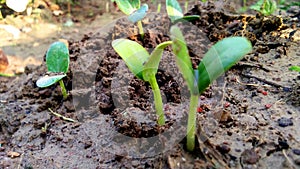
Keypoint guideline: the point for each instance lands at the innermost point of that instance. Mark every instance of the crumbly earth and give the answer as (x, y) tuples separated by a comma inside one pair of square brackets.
[(249, 118)]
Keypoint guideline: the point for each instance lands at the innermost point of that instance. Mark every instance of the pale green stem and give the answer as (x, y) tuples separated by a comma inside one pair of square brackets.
[(186, 4), (158, 8), (191, 127), (157, 100), (7, 75), (63, 89), (141, 30)]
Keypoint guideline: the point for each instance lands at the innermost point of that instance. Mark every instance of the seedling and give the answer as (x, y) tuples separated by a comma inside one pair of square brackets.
[(57, 61), (295, 68), (135, 12), (144, 66), (266, 7), (175, 12), (216, 61)]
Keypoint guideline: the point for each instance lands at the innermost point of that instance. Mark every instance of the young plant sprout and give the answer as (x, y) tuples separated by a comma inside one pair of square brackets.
[(295, 68), (175, 12), (57, 61), (266, 7), (219, 58), (143, 66), (135, 11)]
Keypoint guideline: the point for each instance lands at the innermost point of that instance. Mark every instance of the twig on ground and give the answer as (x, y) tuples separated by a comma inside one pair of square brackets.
[(256, 65), (61, 116), (250, 84), (21, 159), (265, 81), (293, 165)]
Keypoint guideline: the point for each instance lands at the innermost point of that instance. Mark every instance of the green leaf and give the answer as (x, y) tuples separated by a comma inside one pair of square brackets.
[(49, 80), (295, 68), (182, 57), (128, 6), (221, 57), (266, 7), (151, 67), (135, 3), (257, 6), (139, 14), (57, 58), (133, 54), (188, 18), (174, 10)]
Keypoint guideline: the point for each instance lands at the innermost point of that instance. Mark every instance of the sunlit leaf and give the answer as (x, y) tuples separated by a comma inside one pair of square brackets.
[(188, 18), (174, 10), (57, 57), (135, 3), (138, 14), (182, 57), (151, 67), (220, 57), (128, 6), (48, 80), (134, 55)]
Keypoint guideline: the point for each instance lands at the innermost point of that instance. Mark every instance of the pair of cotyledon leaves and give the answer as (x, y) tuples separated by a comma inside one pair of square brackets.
[(175, 12), (137, 12), (133, 8), (220, 57), (57, 61)]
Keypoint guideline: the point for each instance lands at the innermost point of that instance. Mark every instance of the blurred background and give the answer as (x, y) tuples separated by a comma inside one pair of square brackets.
[(28, 27)]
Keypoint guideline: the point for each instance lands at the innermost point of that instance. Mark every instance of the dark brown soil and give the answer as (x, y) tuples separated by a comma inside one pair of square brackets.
[(249, 118)]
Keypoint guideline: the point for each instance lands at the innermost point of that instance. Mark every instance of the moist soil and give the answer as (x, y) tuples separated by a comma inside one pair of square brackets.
[(248, 118)]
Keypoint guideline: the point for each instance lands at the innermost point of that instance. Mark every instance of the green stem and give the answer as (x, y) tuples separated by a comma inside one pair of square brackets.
[(244, 4), (141, 30), (191, 127), (63, 89), (186, 4), (7, 75), (157, 100), (158, 8)]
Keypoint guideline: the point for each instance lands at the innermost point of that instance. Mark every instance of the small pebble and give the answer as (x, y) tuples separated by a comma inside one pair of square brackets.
[(249, 156), (135, 163), (267, 106), (287, 89), (284, 122), (199, 110), (283, 143), (296, 151), (297, 161), (223, 148)]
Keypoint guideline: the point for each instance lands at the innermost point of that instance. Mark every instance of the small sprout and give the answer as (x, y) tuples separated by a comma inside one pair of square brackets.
[(139, 14), (175, 12), (143, 66), (266, 7), (135, 12), (295, 68), (57, 61), (216, 61)]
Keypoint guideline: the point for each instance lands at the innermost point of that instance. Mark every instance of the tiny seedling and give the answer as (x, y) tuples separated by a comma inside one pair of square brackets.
[(135, 12), (57, 61), (144, 66), (295, 68), (219, 58), (175, 12), (265, 7)]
